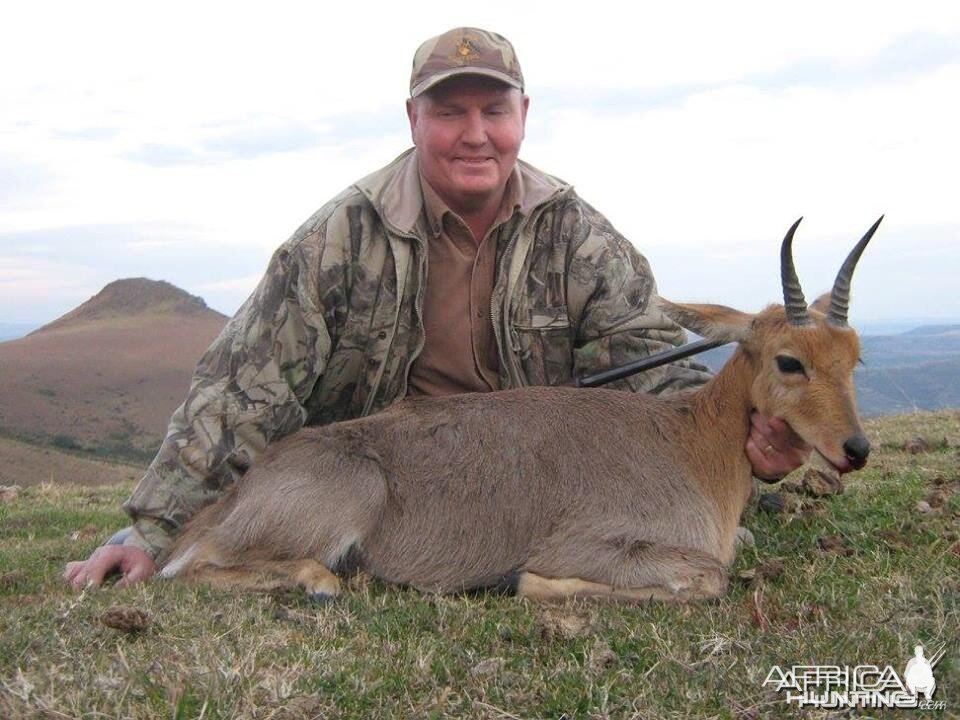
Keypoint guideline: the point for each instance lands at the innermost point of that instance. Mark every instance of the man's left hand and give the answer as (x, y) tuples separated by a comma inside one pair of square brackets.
[(773, 448)]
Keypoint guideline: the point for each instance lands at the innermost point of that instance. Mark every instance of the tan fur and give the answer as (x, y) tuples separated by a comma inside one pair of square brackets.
[(574, 491)]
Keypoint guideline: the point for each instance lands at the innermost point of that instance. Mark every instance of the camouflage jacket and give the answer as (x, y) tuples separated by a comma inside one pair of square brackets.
[(330, 332)]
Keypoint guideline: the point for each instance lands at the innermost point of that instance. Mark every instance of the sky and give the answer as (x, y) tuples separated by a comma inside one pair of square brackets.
[(184, 141)]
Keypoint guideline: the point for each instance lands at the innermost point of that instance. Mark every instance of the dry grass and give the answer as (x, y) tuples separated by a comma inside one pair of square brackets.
[(887, 578)]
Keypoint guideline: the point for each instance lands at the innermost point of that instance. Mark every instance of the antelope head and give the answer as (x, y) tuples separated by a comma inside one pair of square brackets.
[(802, 357)]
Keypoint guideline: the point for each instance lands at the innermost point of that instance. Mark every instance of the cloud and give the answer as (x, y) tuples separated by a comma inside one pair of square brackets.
[(88, 133), (36, 290), (21, 177), (700, 129), (64, 266), (160, 155), (261, 139), (244, 284)]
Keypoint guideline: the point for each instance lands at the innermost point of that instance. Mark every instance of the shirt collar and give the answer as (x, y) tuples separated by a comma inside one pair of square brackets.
[(436, 209)]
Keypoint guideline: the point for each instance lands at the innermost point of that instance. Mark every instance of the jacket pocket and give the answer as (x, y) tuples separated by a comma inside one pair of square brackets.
[(543, 341)]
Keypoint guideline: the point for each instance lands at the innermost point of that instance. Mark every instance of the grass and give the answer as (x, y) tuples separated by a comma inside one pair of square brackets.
[(865, 576)]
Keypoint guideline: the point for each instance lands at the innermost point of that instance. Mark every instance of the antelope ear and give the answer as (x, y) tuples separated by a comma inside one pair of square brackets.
[(822, 303), (714, 322)]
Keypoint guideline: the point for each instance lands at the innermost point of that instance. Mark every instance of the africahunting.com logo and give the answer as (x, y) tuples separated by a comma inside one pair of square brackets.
[(862, 686)]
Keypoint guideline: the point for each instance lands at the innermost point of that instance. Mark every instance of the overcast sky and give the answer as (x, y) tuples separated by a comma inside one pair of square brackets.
[(185, 141)]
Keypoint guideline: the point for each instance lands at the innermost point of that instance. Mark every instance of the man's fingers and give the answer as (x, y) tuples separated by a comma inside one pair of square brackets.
[(758, 460), (79, 580), (71, 570), (104, 560), (782, 432), (138, 573), (763, 434), (765, 439), (777, 433), (134, 564)]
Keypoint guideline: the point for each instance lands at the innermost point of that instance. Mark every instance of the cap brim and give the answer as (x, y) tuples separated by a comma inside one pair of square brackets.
[(435, 80)]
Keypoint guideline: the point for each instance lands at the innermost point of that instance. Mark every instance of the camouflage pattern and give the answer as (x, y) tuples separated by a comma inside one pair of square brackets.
[(464, 51), (331, 331)]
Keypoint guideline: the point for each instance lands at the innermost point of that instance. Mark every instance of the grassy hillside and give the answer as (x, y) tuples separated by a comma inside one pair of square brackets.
[(105, 378), (25, 464), (855, 578)]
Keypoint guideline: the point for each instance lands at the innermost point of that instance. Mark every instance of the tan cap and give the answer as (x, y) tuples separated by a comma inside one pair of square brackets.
[(464, 51)]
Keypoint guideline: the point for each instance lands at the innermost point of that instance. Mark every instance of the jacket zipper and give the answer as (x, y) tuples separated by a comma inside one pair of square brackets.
[(496, 308), (418, 304)]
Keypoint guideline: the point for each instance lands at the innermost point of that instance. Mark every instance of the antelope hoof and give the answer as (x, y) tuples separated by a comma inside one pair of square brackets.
[(319, 583), (322, 589)]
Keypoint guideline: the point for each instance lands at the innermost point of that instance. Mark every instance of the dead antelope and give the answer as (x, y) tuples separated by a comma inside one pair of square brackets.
[(549, 491)]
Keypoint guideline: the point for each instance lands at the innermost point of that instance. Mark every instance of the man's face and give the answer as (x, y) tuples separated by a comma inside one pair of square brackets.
[(468, 131)]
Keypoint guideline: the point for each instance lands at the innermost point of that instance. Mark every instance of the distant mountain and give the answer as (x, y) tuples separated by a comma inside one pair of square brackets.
[(132, 297), (107, 375), (927, 386), (934, 331), (915, 370)]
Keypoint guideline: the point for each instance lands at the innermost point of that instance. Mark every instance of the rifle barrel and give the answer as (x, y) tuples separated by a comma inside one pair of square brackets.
[(647, 363)]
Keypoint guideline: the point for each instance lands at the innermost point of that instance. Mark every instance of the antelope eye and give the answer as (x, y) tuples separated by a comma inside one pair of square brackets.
[(787, 364)]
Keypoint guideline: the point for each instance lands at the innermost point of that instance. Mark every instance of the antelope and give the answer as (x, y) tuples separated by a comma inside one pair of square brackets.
[(548, 492)]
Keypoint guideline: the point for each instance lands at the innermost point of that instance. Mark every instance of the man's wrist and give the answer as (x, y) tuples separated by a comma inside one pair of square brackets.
[(150, 536), (120, 536)]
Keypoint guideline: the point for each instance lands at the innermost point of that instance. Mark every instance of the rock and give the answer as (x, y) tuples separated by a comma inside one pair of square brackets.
[(771, 503), (924, 507), (127, 619), (819, 482)]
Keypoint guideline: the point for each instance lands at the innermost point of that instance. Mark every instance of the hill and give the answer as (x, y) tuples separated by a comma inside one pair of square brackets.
[(132, 297), (26, 465), (107, 375)]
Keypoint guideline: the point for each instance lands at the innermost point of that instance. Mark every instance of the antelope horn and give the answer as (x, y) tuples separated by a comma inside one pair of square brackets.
[(793, 301), (840, 295)]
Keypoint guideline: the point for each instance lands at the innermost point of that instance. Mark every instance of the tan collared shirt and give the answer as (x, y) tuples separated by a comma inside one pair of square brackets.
[(460, 352)]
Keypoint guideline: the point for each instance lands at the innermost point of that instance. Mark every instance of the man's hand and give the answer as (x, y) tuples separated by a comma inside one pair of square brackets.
[(773, 448), (133, 564)]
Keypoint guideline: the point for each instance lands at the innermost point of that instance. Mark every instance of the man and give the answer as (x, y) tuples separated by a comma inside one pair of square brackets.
[(456, 268)]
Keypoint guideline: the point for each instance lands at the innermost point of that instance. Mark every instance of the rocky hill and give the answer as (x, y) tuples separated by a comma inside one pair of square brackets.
[(107, 375)]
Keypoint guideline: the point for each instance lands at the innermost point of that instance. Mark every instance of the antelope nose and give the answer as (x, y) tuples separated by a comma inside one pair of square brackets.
[(856, 448)]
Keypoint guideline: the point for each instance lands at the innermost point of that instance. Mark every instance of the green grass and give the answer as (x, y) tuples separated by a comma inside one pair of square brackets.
[(892, 581)]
